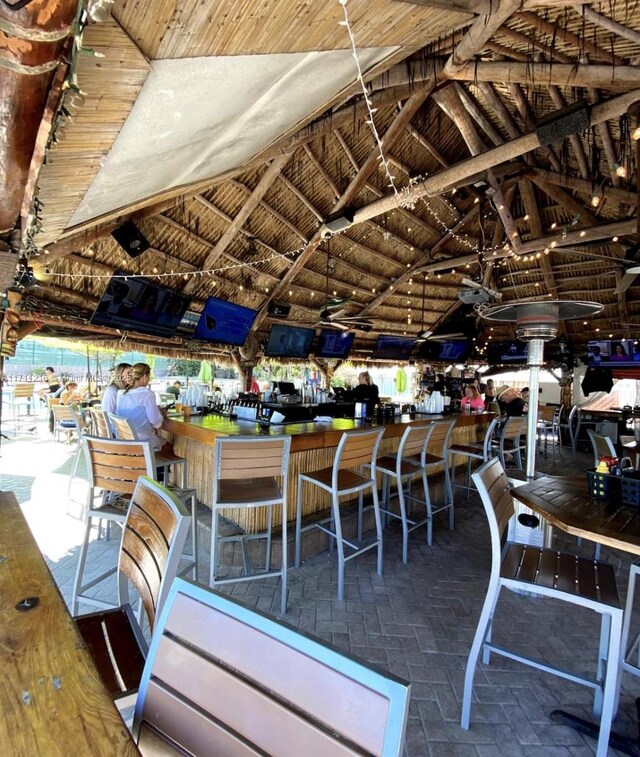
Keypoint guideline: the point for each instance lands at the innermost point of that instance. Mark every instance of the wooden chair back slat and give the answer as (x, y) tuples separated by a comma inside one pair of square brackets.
[(414, 439), (296, 697), (493, 486), (152, 542), (546, 413), (439, 439), (114, 485), (358, 448), (52, 401), (515, 427), (122, 428), (23, 391), (118, 461), (100, 421), (64, 413), (251, 457), (115, 465)]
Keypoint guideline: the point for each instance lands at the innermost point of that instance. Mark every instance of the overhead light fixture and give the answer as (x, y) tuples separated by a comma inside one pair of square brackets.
[(338, 222)]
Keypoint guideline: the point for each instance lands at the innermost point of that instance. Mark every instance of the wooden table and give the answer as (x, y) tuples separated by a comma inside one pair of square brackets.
[(52, 701), (566, 504)]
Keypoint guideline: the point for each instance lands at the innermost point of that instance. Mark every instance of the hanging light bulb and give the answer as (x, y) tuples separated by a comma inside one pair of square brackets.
[(621, 171), (595, 200), (636, 134)]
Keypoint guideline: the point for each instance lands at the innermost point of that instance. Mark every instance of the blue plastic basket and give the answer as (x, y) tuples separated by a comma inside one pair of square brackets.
[(603, 485), (630, 489)]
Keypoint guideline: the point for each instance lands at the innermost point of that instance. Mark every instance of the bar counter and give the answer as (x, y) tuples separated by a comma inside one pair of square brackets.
[(313, 447)]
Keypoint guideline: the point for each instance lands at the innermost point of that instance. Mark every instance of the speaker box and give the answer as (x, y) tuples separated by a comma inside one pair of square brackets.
[(131, 239), (278, 309)]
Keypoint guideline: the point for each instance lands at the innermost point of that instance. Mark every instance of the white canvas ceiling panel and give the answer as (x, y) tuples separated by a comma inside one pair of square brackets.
[(196, 118)]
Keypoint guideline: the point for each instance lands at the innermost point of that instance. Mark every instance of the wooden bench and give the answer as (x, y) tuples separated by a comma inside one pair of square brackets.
[(221, 678)]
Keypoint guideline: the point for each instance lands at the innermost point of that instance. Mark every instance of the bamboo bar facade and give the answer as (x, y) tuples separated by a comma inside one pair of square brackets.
[(313, 447)]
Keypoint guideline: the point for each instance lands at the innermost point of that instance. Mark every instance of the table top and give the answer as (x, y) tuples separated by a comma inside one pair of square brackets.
[(565, 503), (306, 435), (52, 700)]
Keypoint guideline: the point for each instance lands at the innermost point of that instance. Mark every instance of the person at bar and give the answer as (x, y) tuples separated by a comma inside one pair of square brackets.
[(175, 389), (366, 391), (137, 403), (120, 380), (510, 401), (472, 399)]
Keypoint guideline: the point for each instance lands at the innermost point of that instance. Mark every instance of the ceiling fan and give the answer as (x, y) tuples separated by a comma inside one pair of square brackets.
[(631, 261), (332, 312), (438, 334), (477, 293)]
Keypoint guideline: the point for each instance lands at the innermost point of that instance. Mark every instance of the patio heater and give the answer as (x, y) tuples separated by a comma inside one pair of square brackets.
[(537, 323)]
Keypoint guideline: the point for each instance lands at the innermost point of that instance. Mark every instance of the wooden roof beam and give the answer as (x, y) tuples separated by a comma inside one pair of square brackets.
[(608, 23), (576, 209), (442, 180), (574, 140), (543, 73), (580, 185), (522, 105), (238, 222)]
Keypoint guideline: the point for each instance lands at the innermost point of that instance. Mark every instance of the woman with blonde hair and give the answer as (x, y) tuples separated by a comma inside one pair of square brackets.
[(120, 380), (137, 403)]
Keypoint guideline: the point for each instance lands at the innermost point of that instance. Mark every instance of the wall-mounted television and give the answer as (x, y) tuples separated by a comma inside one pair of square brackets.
[(513, 351), (137, 304), (454, 350), (393, 347), (224, 322), (333, 343), (618, 353), (289, 341)]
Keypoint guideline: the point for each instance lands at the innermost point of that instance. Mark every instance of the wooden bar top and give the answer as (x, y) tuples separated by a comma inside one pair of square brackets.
[(52, 701), (305, 436)]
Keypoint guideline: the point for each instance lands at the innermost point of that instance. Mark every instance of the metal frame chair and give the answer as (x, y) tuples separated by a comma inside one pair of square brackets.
[(548, 573), (549, 422), (356, 449), (510, 440), (153, 538), (475, 451), (573, 425), (284, 692), (246, 473), (66, 419)]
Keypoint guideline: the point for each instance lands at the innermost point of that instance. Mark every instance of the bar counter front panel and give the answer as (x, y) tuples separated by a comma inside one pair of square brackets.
[(313, 447)]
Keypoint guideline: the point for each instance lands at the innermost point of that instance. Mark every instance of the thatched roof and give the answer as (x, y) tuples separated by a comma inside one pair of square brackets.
[(230, 132)]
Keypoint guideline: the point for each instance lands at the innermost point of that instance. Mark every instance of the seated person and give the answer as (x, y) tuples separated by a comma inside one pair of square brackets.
[(175, 389), (70, 394), (120, 380), (137, 403), (510, 401), (53, 383), (472, 399)]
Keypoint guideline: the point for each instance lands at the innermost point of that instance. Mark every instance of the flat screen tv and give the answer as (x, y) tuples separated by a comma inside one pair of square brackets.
[(507, 352), (334, 343), (393, 347), (616, 353), (453, 350), (137, 304), (224, 322), (289, 341)]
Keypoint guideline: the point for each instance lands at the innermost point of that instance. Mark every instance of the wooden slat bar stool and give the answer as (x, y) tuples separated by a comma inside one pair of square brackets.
[(164, 461), (153, 537), (67, 421), (100, 423), (475, 451), (356, 449), (512, 440), (250, 471), (222, 679), (548, 573), (401, 469), (113, 467)]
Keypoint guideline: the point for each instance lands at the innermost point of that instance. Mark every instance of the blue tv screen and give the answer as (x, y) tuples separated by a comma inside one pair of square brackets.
[(454, 350), (134, 303), (289, 341), (224, 322), (334, 343), (507, 352), (393, 347)]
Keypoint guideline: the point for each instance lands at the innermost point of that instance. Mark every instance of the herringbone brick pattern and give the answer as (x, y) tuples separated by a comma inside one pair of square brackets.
[(416, 620)]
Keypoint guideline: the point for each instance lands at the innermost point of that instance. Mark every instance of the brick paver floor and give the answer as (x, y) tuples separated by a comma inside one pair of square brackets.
[(416, 620)]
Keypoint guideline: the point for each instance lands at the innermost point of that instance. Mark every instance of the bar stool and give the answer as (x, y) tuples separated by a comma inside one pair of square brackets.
[(250, 471), (100, 423), (602, 446), (153, 538), (355, 450), (408, 462), (438, 454), (164, 461), (628, 650), (474, 451), (510, 440), (66, 420), (114, 466)]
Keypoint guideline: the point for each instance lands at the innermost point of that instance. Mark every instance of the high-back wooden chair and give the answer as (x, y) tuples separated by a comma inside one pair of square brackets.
[(347, 475), (250, 472), (100, 422), (224, 679), (401, 468), (438, 456), (66, 420), (474, 451), (548, 573), (112, 468), (153, 538)]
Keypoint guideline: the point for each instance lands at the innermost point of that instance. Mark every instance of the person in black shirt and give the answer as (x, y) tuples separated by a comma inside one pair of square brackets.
[(439, 385), (366, 391)]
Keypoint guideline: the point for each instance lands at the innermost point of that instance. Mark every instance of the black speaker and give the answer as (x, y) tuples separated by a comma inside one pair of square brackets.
[(278, 309), (131, 239)]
